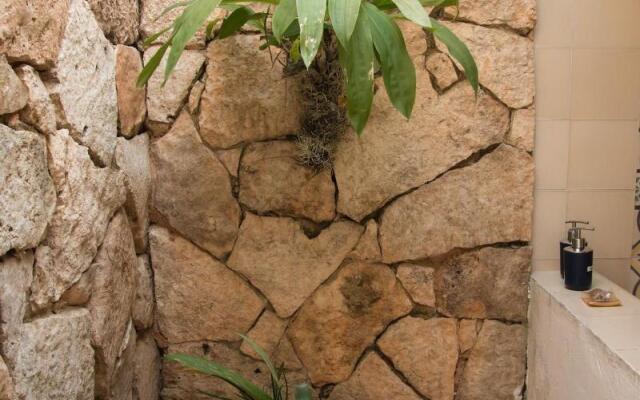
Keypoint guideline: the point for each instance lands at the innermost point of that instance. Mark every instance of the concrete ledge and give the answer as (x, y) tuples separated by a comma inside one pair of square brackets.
[(578, 352)]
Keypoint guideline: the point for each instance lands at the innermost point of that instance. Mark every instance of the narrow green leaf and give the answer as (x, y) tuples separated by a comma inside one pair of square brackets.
[(359, 65), (234, 22), (171, 8), (459, 51), (398, 70), (152, 65), (344, 14), (414, 11), (151, 39), (283, 16), (303, 392), (260, 351), (214, 369), (192, 18), (311, 15)]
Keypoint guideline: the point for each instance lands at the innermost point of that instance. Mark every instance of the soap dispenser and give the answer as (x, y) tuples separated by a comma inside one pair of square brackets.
[(567, 242), (578, 262)]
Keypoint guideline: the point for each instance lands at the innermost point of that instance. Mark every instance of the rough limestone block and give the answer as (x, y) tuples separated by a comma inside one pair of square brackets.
[(418, 282), (132, 104), (13, 93), (517, 14), (523, 129), (144, 302), (119, 19), (16, 273), (40, 111), (147, 364), (28, 197)]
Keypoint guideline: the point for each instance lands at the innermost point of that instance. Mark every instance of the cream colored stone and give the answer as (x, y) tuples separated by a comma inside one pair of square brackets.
[(505, 61), (487, 283), (230, 159), (51, 357), (418, 281), (272, 180), (27, 198), (87, 198), (523, 129), (368, 247), (497, 363), (426, 352), (143, 305), (518, 14), (83, 85), (132, 106), (247, 97), (203, 209), (344, 317), (118, 19), (35, 30), (114, 290), (13, 93), (80, 293), (414, 37), (7, 390), (440, 66), (394, 155), (164, 101), (194, 97), (467, 334), (132, 157), (16, 273), (373, 379), (198, 298), (147, 365), (283, 263), (123, 375), (490, 201), (39, 111)]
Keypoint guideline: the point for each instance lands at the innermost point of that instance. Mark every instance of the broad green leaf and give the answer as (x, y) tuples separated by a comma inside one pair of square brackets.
[(171, 8), (192, 18), (303, 392), (284, 15), (344, 14), (459, 51), (414, 11), (359, 65), (214, 369), (311, 15), (294, 53), (234, 22), (152, 65), (398, 70)]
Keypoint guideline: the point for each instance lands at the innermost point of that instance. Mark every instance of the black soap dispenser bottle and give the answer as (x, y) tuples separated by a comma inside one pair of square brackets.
[(578, 262), (567, 242)]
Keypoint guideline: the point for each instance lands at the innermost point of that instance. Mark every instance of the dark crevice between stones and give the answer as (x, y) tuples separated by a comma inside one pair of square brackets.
[(458, 251), (396, 372)]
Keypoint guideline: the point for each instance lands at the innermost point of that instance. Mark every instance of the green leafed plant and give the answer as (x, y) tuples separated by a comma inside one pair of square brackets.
[(247, 390), (369, 39)]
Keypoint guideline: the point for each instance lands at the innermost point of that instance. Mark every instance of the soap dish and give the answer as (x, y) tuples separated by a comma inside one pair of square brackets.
[(601, 298)]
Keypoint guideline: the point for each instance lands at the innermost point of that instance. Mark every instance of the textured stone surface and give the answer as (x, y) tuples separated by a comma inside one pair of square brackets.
[(36, 31), (496, 366), (114, 290), (13, 93), (368, 247), (467, 334), (490, 201), (373, 379), (505, 61), (193, 194), (230, 159), (118, 19), (7, 390), (272, 180), (426, 352), (52, 358), (443, 131), (87, 198), (518, 14), (123, 375), (198, 298), (132, 157), (16, 273), (147, 364), (28, 197), (246, 97), (283, 263), (143, 305), (194, 97), (164, 102), (523, 129), (414, 37), (344, 317), (132, 106), (440, 66), (80, 293), (418, 281), (266, 333), (39, 111), (487, 283), (84, 88), (14, 14)]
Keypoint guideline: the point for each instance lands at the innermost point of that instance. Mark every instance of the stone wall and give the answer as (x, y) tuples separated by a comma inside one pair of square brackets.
[(144, 222)]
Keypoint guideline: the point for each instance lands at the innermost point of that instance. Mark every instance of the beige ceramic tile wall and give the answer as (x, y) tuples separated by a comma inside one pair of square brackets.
[(587, 147)]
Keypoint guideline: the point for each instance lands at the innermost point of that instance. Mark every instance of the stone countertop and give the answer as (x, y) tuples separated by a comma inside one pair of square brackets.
[(617, 327)]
